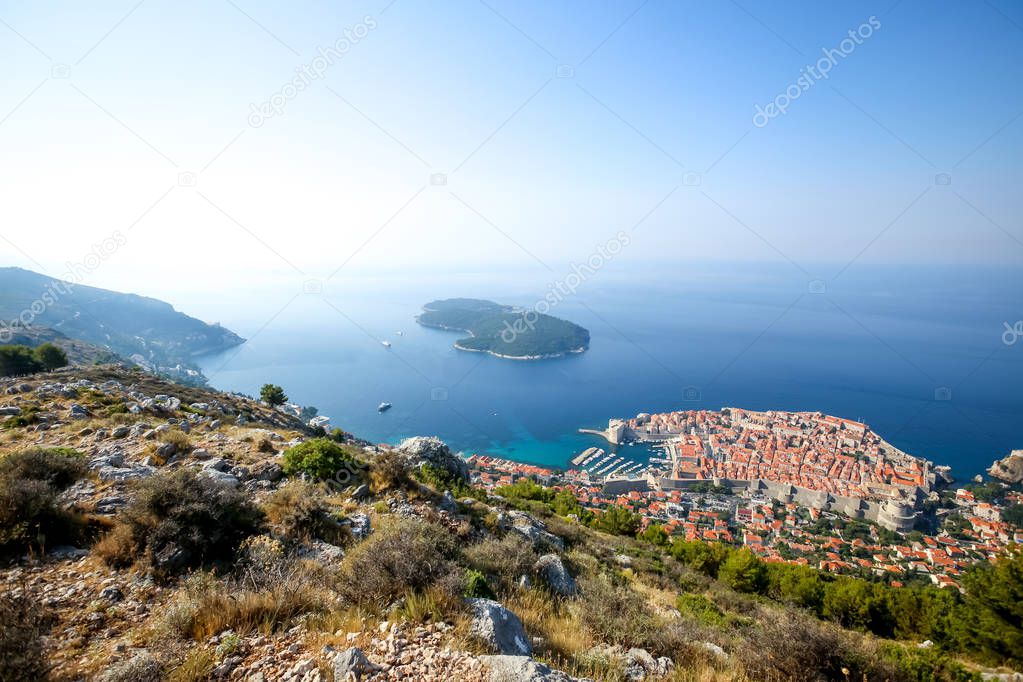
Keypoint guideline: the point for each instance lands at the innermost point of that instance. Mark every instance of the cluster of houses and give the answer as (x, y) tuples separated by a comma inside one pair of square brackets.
[(787, 531)]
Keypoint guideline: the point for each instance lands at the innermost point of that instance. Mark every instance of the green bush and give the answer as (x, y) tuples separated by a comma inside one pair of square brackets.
[(526, 489), (441, 479), (322, 459), (990, 621), (655, 535), (17, 361), (29, 415), (699, 607), (617, 520), (49, 357), (180, 520), (476, 585), (744, 572)]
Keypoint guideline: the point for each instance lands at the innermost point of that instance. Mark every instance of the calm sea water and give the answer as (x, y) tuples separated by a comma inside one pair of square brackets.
[(917, 353)]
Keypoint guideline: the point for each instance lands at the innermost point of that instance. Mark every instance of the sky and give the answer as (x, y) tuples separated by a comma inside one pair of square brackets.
[(157, 145)]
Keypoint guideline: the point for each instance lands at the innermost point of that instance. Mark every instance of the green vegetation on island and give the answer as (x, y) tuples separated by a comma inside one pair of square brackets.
[(505, 331)]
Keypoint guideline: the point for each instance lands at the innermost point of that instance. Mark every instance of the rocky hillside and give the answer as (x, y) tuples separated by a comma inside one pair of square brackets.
[(151, 531)]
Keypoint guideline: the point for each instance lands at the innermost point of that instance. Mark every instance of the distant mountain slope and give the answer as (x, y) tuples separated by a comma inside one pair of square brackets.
[(132, 326)]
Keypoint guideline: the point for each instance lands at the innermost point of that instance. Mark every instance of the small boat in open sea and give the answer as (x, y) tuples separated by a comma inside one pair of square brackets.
[(385, 344), (383, 407)]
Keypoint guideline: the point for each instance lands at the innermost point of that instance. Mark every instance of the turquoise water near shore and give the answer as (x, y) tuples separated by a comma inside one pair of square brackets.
[(885, 345)]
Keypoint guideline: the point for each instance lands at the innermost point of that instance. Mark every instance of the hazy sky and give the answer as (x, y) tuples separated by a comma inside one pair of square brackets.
[(490, 133)]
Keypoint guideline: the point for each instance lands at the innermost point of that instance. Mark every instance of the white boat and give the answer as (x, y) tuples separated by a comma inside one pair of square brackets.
[(383, 407), (400, 333), (386, 344)]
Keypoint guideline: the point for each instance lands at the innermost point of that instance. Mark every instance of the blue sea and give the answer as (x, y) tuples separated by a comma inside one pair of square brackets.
[(926, 356)]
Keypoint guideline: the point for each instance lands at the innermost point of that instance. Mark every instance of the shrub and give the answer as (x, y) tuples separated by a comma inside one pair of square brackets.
[(322, 459), (615, 613), (617, 520), (17, 360), (389, 471), (58, 467), (180, 520), (299, 511), (789, 645), (502, 560), (49, 357), (23, 623), (29, 415), (744, 572), (436, 604), (30, 514), (408, 555), (700, 556), (476, 585), (196, 666), (441, 479), (526, 489), (655, 535), (699, 607)]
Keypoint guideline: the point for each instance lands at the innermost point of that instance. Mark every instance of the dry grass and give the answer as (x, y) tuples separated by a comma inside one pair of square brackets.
[(178, 438), (196, 666), (208, 606), (432, 605), (118, 548), (564, 636), (707, 673)]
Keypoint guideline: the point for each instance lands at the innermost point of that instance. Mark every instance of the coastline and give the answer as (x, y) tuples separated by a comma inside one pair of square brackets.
[(548, 356)]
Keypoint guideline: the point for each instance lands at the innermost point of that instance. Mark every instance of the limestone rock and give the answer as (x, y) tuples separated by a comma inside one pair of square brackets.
[(522, 669), (422, 450), (497, 628), (532, 529), (353, 662), (552, 571)]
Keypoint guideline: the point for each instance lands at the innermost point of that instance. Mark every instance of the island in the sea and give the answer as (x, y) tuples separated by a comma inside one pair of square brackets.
[(505, 331)]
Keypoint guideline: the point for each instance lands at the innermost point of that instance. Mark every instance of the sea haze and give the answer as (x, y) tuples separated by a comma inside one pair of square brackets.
[(885, 345)]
